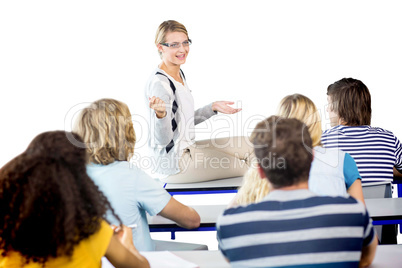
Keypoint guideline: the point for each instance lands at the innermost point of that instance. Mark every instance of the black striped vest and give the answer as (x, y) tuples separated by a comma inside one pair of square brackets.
[(174, 109)]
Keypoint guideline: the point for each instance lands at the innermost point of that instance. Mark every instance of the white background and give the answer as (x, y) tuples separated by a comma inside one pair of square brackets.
[(56, 56)]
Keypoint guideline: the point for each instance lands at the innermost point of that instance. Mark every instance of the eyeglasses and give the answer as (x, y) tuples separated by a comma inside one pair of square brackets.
[(177, 44)]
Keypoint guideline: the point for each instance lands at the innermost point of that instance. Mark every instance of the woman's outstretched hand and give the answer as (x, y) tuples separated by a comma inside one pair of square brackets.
[(223, 107), (158, 106)]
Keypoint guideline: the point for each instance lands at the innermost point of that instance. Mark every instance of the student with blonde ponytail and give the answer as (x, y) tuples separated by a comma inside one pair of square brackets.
[(333, 172)]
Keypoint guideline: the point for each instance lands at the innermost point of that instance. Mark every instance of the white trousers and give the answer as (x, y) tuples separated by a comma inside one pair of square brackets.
[(214, 159)]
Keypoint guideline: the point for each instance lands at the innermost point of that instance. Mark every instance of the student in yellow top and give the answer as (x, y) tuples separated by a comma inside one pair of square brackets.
[(52, 214)]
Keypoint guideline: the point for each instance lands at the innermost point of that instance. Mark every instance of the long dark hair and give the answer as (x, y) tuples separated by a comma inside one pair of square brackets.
[(48, 203)]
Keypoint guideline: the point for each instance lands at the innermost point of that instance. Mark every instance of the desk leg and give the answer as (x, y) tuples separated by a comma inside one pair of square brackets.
[(399, 185)]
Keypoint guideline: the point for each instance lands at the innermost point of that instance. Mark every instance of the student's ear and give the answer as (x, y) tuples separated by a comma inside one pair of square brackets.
[(261, 172)]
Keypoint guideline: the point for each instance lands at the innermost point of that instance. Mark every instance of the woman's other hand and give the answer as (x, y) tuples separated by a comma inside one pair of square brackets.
[(223, 107)]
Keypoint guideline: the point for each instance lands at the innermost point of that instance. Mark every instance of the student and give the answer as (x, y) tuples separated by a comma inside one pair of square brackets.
[(332, 171), (172, 119), (377, 152), (292, 226), (253, 188), (107, 130), (52, 214)]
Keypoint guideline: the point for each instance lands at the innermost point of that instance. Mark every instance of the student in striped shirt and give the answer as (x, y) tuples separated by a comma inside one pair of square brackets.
[(292, 226), (377, 152)]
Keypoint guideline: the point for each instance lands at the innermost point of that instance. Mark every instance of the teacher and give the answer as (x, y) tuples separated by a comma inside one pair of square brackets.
[(177, 157)]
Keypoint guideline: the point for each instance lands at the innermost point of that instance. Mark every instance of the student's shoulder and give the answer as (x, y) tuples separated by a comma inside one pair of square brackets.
[(158, 76), (334, 200), (349, 201), (381, 131), (234, 210), (334, 130), (158, 83), (125, 169), (356, 131)]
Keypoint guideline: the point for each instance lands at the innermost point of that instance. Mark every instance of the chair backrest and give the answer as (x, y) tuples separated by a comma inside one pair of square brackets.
[(377, 190)]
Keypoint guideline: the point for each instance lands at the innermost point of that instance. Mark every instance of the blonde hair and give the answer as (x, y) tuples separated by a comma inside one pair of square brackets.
[(107, 130), (302, 108), (253, 189), (167, 27)]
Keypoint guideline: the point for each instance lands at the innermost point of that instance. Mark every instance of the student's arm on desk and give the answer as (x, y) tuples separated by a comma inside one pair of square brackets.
[(397, 173), (368, 253), (122, 253), (184, 216)]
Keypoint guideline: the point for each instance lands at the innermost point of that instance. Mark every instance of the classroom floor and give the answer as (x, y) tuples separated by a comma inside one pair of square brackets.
[(205, 237)]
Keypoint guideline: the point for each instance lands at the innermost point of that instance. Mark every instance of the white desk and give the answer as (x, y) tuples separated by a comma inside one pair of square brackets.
[(201, 259), (381, 210), (229, 185), (385, 210), (389, 256), (204, 258)]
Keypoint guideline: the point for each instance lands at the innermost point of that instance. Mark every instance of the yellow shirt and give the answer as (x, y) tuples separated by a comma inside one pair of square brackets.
[(87, 254)]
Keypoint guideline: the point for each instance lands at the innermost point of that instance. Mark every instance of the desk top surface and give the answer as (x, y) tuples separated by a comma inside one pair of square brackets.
[(204, 258), (379, 208), (384, 208), (222, 183), (389, 256)]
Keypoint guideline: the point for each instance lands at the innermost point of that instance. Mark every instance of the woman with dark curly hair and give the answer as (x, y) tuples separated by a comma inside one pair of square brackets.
[(52, 214)]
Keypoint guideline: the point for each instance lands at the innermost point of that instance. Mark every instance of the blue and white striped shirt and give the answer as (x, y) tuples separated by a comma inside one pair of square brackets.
[(295, 229), (375, 150)]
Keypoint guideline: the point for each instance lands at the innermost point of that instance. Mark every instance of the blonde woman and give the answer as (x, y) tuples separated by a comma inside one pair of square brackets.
[(108, 134), (253, 188), (172, 117), (333, 172)]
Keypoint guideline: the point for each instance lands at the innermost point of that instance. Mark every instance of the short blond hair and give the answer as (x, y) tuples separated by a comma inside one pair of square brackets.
[(254, 188), (302, 108), (107, 131), (167, 27)]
